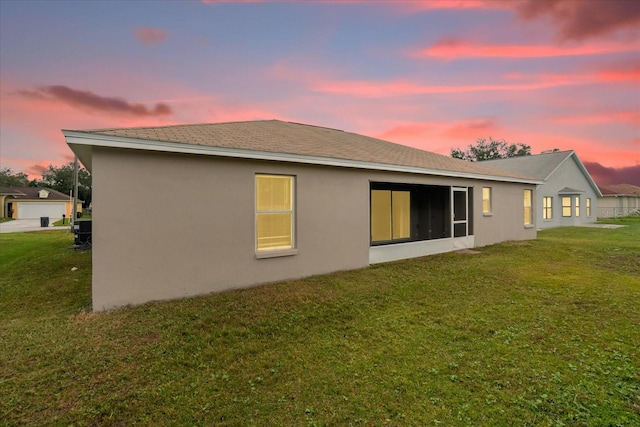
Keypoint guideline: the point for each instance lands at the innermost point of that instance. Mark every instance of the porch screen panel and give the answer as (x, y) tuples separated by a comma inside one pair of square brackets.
[(380, 215), (390, 215), (274, 212), (401, 214), (460, 205)]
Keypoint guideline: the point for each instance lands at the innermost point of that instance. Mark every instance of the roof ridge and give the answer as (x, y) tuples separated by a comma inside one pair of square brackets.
[(181, 125), (306, 124)]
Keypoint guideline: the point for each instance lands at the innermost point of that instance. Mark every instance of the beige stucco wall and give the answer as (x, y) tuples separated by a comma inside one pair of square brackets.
[(169, 226), (569, 175)]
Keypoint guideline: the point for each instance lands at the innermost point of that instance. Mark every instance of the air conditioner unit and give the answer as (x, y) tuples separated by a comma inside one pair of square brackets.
[(82, 233)]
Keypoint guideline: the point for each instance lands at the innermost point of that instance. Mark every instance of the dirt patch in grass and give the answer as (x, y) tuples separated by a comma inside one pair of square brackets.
[(468, 251), (627, 263)]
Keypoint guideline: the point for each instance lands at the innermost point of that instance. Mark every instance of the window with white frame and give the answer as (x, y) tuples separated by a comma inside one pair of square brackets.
[(274, 212), (566, 206), (588, 206), (547, 207), (528, 204), (577, 206), (486, 200)]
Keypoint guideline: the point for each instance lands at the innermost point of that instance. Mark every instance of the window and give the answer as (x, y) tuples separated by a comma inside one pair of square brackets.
[(274, 212), (390, 215), (577, 206), (486, 200), (528, 201), (547, 208), (566, 206), (588, 206)]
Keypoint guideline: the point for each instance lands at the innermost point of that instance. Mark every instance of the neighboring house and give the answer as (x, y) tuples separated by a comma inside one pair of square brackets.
[(618, 200), (35, 202), (567, 195), (212, 207)]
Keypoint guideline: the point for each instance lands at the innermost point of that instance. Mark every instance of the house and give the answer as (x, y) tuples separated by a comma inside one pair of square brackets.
[(211, 207), (618, 200), (567, 195), (35, 202)]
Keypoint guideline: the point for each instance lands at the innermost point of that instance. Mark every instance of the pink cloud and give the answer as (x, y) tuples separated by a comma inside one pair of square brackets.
[(320, 81), (629, 117), (377, 89), (604, 175), (471, 130), (442, 136), (419, 134), (427, 5), (230, 1), (579, 19), (36, 170), (620, 73), (31, 122), (89, 101), (450, 49), (149, 35)]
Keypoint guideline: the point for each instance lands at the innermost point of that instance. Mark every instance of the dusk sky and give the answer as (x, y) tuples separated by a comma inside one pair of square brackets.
[(433, 74)]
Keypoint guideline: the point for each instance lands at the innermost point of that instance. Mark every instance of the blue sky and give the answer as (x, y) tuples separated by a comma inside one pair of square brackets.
[(434, 75)]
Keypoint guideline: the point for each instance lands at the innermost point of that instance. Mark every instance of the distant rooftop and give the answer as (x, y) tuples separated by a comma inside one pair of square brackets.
[(620, 189), (29, 193), (538, 166), (542, 166)]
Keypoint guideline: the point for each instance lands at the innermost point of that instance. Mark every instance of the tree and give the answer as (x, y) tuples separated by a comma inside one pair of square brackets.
[(61, 179), (9, 178), (494, 149)]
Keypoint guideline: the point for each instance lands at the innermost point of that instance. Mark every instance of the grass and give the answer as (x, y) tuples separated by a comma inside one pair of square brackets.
[(5, 220), (545, 332), (66, 221)]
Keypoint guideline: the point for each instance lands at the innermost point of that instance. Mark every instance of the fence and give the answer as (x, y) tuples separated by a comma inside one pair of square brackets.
[(618, 212)]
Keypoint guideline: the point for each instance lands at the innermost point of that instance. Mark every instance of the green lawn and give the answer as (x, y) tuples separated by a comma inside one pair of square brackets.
[(543, 333)]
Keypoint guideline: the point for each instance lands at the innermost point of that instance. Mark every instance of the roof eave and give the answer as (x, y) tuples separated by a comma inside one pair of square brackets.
[(91, 139)]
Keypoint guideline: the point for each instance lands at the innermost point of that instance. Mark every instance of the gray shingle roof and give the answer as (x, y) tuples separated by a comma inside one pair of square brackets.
[(620, 189), (569, 190), (31, 193), (274, 136), (539, 166)]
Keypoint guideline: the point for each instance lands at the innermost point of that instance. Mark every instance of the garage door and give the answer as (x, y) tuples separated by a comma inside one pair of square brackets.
[(36, 210)]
